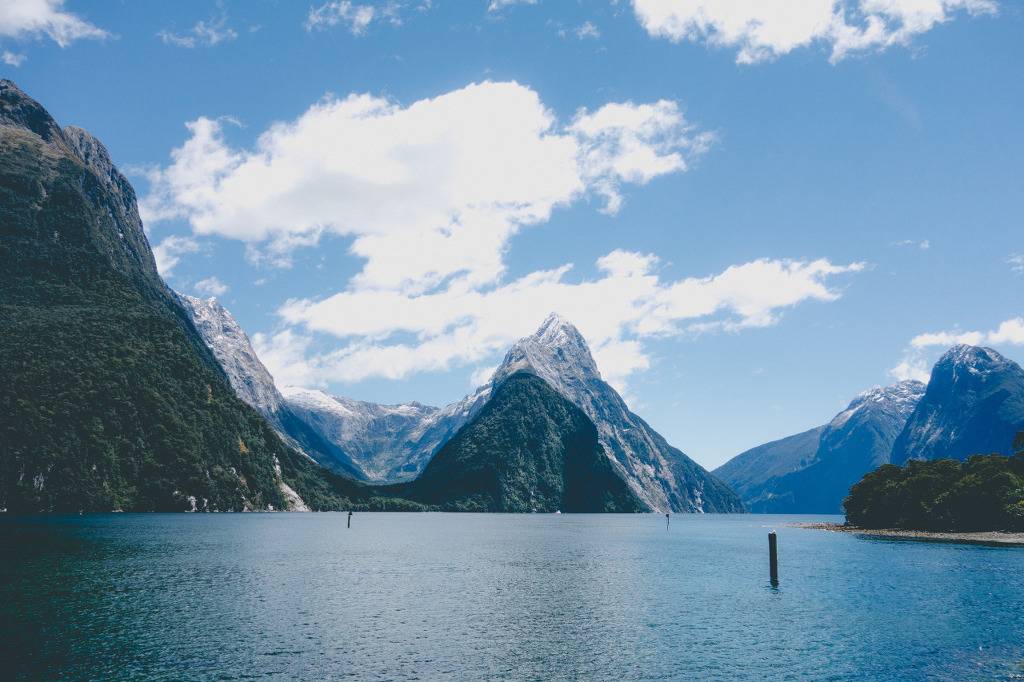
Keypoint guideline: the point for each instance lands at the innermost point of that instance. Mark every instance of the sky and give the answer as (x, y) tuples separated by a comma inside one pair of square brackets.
[(752, 210)]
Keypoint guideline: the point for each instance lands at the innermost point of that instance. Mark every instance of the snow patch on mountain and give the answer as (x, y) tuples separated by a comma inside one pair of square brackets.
[(388, 442)]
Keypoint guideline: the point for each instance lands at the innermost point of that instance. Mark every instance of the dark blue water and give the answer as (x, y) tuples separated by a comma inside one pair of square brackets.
[(440, 596)]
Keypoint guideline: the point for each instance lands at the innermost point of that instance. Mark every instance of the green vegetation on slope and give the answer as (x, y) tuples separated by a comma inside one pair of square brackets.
[(984, 493), (529, 449), (108, 397)]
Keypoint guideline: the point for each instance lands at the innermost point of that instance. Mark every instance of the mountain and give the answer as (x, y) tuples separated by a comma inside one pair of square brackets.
[(389, 443), (365, 441), (230, 345), (528, 449), (812, 472), (253, 384), (386, 442), (109, 398), (362, 440), (974, 405), (749, 471), (662, 477)]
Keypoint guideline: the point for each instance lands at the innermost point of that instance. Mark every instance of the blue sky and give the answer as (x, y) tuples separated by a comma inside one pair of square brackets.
[(764, 213)]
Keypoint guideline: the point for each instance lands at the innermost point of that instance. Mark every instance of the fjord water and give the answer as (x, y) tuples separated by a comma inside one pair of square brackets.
[(448, 596)]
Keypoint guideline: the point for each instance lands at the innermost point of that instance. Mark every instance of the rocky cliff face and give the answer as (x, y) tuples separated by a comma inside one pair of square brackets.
[(661, 476), (230, 345), (812, 472), (974, 405), (254, 384)]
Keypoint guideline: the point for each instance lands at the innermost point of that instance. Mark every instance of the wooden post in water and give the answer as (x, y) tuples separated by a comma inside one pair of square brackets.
[(349, 520), (773, 557)]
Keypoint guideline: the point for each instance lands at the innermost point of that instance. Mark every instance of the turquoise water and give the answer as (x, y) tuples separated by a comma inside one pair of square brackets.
[(531, 597)]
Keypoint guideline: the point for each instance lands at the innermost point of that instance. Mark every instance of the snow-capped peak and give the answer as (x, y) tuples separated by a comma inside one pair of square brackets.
[(556, 352), (898, 400), (975, 359)]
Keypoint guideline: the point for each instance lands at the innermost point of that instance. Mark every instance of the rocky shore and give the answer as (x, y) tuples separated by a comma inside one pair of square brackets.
[(980, 538)]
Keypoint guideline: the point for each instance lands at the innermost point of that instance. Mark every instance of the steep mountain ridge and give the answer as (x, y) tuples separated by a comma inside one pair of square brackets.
[(974, 405), (661, 476), (528, 449), (254, 384)]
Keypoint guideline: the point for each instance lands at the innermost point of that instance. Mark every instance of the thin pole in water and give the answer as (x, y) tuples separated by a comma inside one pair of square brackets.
[(773, 557), (349, 520), (667, 514)]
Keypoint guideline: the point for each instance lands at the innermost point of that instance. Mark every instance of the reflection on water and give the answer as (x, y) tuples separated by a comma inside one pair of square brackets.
[(428, 596)]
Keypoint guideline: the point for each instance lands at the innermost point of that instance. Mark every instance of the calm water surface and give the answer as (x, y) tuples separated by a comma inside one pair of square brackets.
[(534, 597)]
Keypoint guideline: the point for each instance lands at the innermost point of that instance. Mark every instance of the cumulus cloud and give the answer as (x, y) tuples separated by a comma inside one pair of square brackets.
[(1008, 332), (765, 29), (431, 195), (203, 34), (12, 58), (916, 364), (455, 177), (617, 311), (1016, 262), (38, 18), (211, 286), (168, 253)]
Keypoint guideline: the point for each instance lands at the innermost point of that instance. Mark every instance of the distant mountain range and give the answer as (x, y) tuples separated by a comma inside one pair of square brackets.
[(973, 404), (117, 393), (393, 443)]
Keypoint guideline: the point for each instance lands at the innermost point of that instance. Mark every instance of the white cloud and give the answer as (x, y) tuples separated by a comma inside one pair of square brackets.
[(35, 18), (498, 5), (948, 339), (431, 194), (481, 375), (168, 253), (924, 244), (915, 363), (286, 353), (455, 177), (765, 29), (1016, 262), (356, 17), (587, 30), (394, 334), (203, 34), (211, 286), (12, 58), (912, 366)]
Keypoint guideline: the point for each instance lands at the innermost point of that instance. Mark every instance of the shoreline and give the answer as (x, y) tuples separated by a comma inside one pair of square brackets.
[(973, 538)]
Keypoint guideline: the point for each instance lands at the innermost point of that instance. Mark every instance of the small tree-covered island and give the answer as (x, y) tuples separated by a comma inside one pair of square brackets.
[(983, 493)]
